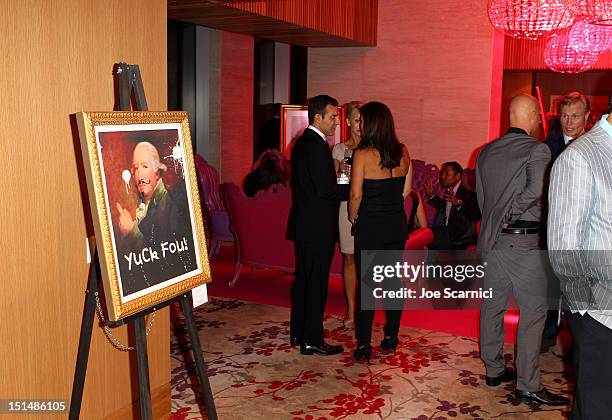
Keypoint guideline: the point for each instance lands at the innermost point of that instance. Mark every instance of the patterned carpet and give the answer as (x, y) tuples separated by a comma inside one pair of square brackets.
[(255, 374)]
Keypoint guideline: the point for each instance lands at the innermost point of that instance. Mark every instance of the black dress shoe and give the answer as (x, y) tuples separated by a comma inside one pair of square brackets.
[(547, 343), (295, 341), (389, 343), (507, 376), (543, 396), (324, 349), (363, 352)]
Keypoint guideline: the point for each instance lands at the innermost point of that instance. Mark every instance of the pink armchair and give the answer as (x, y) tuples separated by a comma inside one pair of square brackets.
[(260, 226), (219, 220)]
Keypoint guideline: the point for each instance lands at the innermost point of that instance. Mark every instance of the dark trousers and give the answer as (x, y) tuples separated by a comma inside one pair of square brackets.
[(309, 292), (443, 242), (365, 319), (592, 347), (365, 304), (551, 325)]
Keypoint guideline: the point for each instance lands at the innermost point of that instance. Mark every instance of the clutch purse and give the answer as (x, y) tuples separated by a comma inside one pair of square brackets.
[(354, 228)]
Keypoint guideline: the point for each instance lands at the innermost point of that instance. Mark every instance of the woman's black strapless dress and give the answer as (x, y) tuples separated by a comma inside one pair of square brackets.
[(381, 225)]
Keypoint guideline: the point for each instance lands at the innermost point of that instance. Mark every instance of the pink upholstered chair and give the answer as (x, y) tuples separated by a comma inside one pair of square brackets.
[(219, 220), (421, 171), (469, 178), (260, 225)]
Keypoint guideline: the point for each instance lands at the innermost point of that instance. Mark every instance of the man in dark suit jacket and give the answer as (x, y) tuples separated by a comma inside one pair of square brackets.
[(314, 224), (574, 111), (454, 223)]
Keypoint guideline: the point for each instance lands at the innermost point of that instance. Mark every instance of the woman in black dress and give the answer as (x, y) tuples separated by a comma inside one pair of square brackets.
[(381, 180)]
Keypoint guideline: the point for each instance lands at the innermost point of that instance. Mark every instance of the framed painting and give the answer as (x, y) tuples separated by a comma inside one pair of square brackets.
[(294, 119), (145, 206)]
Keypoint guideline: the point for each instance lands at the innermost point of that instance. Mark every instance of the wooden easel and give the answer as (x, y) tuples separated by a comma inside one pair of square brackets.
[(128, 80)]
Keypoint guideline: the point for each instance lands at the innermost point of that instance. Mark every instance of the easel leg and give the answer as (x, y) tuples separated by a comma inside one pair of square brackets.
[(84, 341), (143, 368), (211, 411)]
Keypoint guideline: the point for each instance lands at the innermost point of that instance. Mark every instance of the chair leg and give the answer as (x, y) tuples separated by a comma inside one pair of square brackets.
[(237, 270), (217, 247), (214, 248)]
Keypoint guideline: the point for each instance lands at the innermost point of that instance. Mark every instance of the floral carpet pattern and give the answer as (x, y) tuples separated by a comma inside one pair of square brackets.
[(256, 374)]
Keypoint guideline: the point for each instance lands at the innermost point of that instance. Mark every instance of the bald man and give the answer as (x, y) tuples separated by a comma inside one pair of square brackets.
[(157, 244), (509, 184)]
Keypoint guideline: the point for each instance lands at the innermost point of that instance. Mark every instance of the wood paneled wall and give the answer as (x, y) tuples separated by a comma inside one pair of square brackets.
[(236, 106), (310, 23), (350, 19), (434, 65), (57, 59)]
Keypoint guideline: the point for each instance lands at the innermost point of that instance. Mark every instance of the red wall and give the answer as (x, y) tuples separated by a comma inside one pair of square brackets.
[(438, 66), (236, 106)]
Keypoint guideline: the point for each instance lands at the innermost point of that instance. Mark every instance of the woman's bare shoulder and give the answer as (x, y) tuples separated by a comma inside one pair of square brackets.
[(367, 152), (405, 152)]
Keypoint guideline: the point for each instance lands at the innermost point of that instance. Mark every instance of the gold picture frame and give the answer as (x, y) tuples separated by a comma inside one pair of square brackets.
[(145, 206), (293, 121)]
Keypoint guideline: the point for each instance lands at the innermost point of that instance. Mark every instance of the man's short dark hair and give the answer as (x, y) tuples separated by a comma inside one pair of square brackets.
[(318, 104), (455, 167)]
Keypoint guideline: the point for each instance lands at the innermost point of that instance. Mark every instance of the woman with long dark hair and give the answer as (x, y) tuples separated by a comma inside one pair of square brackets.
[(381, 180)]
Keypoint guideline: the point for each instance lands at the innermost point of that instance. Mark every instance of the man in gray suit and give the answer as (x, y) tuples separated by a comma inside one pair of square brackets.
[(580, 244), (509, 183)]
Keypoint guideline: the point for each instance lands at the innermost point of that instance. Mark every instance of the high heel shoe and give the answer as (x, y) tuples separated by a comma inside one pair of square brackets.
[(348, 323), (389, 343), (363, 353)]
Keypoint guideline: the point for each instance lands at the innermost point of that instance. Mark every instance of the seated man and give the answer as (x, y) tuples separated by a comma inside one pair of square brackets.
[(454, 224)]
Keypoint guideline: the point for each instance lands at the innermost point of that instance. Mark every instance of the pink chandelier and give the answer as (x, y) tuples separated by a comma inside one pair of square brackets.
[(531, 19), (560, 57), (588, 37), (592, 11)]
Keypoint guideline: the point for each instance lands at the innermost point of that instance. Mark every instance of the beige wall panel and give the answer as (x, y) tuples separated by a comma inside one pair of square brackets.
[(433, 67), (57, 59)]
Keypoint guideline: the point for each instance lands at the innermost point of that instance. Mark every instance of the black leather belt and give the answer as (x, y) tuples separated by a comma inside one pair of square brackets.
[(521, 231)]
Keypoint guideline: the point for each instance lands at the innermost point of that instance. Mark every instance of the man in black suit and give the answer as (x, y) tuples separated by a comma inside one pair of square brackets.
[(574, 111), (314, 224), (454, 223)]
